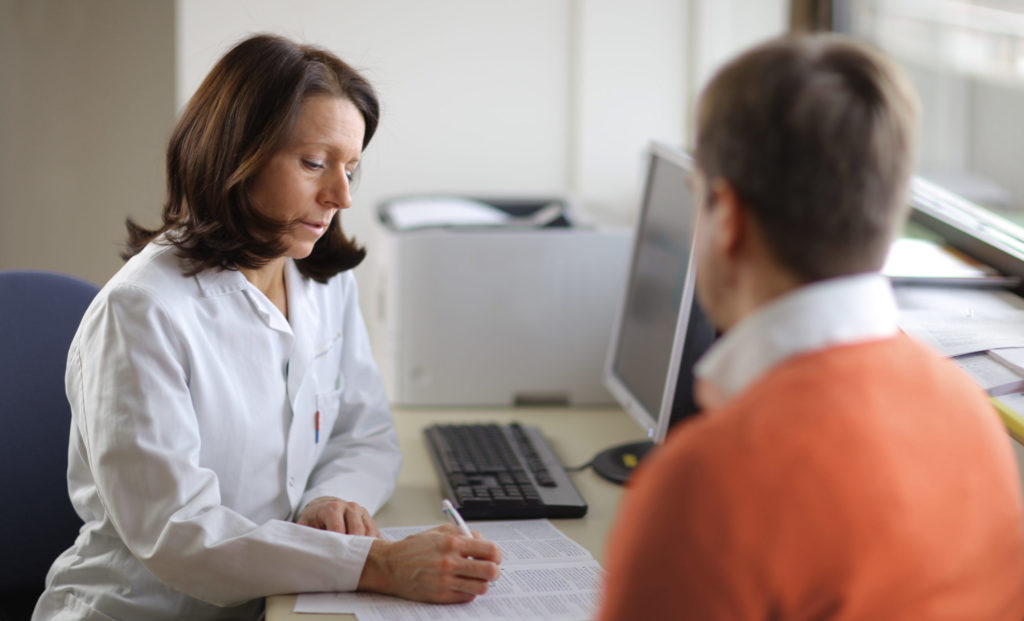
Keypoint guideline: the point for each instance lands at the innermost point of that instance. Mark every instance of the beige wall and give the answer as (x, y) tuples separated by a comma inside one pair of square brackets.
[(533, 97), (86, 104), (527, 97)]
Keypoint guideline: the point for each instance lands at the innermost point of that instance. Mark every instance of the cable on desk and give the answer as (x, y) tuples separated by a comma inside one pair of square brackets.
[(580, 468)]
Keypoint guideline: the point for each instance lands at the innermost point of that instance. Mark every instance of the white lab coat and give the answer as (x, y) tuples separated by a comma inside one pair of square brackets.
[(193, 443)]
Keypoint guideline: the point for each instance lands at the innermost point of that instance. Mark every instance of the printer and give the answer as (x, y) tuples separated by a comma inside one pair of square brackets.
[(494, 302)]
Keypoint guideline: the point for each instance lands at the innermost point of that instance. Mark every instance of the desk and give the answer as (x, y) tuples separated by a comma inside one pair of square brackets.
[(576, 435)]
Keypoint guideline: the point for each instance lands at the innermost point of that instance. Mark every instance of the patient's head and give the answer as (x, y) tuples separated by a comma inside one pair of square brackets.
[(815, 135)]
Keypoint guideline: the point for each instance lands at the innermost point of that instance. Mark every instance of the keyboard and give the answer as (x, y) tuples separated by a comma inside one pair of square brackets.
[(501, 472)]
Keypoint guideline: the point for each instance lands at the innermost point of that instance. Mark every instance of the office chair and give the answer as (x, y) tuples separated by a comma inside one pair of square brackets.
[(39, 314)]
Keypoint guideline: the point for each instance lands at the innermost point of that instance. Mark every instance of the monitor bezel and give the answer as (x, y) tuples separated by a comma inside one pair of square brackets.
[(656, 424)]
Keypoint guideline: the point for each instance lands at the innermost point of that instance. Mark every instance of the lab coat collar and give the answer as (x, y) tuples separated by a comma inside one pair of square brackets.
[(213, 282), (220, 281), (303, 311), (304, 318)]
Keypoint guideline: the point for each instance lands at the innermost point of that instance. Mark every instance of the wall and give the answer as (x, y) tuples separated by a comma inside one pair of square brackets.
[(531, 97), (86, 103), (630, 72), (719, 29), (536, 97)]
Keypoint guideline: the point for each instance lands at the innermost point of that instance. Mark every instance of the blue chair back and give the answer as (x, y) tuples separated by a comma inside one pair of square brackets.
[(39, 314)]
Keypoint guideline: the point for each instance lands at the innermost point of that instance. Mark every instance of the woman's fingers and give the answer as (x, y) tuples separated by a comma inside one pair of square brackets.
[(340, 516)]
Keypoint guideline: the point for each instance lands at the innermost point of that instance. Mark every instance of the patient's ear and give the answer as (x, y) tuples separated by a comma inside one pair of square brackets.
[(728, 219)]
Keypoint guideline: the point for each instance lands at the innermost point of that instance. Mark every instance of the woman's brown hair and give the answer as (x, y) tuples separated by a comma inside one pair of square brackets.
[(241, 115)]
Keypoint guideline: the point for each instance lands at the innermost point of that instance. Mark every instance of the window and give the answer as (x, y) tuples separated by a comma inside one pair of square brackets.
[(966, 60)]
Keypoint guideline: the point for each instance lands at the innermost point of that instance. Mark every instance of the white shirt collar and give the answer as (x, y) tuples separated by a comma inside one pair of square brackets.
[(827, 313)]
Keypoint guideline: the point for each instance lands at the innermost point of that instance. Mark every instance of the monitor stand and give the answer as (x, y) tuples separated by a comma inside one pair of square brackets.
[(618, 462)]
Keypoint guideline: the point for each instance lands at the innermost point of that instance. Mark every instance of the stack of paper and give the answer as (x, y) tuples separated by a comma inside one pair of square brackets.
[(544, 576), (444, 211), (1009, 399), (982, 330), (993, 373), (454, 212), (956, 334)]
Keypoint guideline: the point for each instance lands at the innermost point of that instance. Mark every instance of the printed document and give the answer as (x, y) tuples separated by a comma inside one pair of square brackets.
[(992, 372), (544, 575), (966, 333)]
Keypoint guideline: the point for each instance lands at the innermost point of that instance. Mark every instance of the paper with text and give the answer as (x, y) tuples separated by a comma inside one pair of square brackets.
[(993, 372), (544, 575), (959, 334)]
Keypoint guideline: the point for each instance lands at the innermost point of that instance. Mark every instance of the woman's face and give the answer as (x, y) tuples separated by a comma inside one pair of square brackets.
[(308, 180)]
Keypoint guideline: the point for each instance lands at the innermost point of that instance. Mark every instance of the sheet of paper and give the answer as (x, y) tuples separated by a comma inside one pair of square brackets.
[(1013, 401), (966, 333), (991, 372), (924, 259), (542, 592), (957, 301), (1012, 357), (519, 540), (444, 211), (545, 576)]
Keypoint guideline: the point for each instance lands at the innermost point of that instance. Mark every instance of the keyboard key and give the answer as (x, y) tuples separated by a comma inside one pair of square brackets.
[(544, 479)]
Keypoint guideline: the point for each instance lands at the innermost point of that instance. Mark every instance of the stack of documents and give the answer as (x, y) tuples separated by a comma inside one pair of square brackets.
[(995, 370), (982, 331), (959, 335), (454, 211), (544, 576)]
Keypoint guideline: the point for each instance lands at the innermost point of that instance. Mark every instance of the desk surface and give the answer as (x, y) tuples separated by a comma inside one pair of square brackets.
[(576, 435)]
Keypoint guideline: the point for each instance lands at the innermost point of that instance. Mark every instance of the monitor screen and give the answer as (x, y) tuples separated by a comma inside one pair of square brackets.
[(660, 331)]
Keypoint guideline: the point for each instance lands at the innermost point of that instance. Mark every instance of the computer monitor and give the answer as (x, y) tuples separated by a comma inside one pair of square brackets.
[(660, 331)]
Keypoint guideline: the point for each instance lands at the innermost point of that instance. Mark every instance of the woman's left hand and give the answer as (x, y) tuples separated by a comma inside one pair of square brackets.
[(340, 516)]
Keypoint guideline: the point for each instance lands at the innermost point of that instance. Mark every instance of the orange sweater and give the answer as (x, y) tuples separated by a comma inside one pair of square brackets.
[(870, 481)]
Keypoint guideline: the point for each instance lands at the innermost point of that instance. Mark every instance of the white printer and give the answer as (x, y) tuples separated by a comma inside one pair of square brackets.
[(494, 302)]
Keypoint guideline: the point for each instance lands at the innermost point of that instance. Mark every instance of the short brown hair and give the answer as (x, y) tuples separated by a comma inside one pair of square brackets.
[(239, 117), (815, 133)]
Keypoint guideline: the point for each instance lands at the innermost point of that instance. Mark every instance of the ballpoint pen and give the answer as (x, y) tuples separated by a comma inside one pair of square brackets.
[(448, 508)]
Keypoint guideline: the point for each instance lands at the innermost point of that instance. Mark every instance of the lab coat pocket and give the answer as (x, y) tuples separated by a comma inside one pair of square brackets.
[(327, 406), (327, 365)]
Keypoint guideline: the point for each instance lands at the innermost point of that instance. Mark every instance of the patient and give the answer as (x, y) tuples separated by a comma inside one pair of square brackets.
[(839, 469)]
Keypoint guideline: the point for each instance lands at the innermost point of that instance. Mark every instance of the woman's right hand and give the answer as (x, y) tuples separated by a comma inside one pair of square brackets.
[(440, 565)]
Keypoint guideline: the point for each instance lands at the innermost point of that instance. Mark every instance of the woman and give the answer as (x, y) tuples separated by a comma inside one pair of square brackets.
[(228, 419)]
